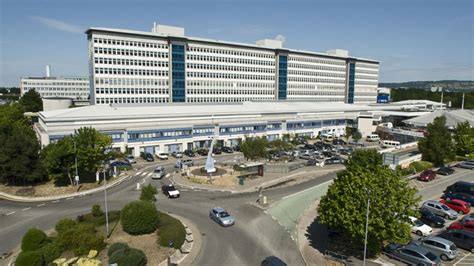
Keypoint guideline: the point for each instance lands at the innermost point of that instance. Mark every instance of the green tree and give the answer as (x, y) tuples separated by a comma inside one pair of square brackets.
[(437, 146), (281, 145), (464, 138), (356, 135), (254, 148), (344, 206), (59, 160), (139, 217), (31, 101), (92, 147), (148, 193)]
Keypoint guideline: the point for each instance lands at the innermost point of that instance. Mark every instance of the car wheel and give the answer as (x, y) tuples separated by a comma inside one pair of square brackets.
[(444, 257), (472, 249), (419, 233), (447, 216), (461, 212)]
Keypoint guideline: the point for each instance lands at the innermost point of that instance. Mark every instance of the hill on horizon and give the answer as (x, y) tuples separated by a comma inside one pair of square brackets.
[(450, 85)]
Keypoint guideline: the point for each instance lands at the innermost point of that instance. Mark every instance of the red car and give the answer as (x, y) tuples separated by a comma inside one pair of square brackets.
[(463, 226), (457, 205), (427, 175)]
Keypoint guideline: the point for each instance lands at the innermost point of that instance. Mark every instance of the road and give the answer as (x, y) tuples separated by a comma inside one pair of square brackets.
[(254, 236)]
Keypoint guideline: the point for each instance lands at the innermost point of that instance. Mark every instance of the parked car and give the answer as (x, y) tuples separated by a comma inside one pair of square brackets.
[(346, 151), (236, 148), (180, 163), (203, 152), (177, 154), (412, 254), (170, 191), (189, 153), (466, 165), (440, 209), (306, 157), (460, 196), (461, 238), (272, 261), (149, 157), (460, 206), (158, 173), (468, 218), (227, 149), (314, 162), (469, 226), (445, 170), (162, 156), (221, 216), (431, 219), (427, 175), (120, 164), (216, 150), (443, 248), (419, 228), (334, 160), (461, 186), (338, 142), (130, 159)]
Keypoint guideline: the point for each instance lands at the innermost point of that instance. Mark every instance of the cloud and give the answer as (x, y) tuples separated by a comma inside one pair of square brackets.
[(58, 25), (281, 38)]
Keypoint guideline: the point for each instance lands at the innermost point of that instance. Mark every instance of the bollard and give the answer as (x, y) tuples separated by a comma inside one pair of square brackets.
[(138, 186), (264, 201)]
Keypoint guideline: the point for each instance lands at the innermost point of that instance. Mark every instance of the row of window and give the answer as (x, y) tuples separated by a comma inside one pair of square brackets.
[(148, 91), (315, 87), (131, 62), (315, 124), (208, 99), (364, 71), (106, 100), (292, 59), (362, 76), (365, 65), (230, 68), (230, 60), (228, 76), (53, 83), (316, 74), (229, 52), (315, 80), (229, 84), (360, 82), (41, 89), (132, 82), (218, 91), (318, 99), (315, 93), (208, 130), (132, 72), (317, 67), (130, 43), (128, 52)]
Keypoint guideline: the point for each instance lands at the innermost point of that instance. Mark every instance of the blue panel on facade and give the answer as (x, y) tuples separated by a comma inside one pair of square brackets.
[(350, 95), (382, 98), (282, 76), (178, 73)]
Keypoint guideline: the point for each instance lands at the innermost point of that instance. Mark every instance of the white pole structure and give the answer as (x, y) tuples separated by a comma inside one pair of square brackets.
[(75, 162), (462, 104), (441, 107), (106, 208), (366, 226)]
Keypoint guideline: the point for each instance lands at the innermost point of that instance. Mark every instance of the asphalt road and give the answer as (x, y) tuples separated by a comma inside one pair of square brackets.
[(254, 236)]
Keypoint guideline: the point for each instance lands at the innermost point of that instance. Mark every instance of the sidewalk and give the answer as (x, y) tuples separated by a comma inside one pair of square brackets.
[(11, 197), (268, 180)]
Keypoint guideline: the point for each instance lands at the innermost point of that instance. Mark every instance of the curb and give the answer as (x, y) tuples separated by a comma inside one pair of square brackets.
[(15, 198)]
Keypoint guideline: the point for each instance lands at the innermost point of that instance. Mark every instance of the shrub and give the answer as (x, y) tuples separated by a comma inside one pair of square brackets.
[(51, 251), (128, 257), (421, 165), (81, 239), (33, 240), (29, 258), (116, 246), (96, 211), (170, 229), (65, 224), (148, 193), (139, 217)]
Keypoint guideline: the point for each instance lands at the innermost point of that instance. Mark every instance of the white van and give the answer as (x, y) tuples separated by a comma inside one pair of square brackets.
[(389, 143), (373, 138), (327, 137)]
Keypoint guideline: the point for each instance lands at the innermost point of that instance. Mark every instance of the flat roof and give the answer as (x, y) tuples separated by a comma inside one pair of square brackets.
[(246, 45)]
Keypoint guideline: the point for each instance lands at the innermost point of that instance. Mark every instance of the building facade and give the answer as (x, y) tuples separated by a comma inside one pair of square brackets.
[(164, 65), (76, 88)]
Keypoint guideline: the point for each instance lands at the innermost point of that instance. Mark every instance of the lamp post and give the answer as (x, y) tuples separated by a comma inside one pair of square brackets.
[(106, 208), (366, 223), (75, 163)]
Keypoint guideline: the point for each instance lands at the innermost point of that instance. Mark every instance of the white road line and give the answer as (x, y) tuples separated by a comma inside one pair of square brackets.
[(25, 209), (39, 205), (56, 201), (139, 173), (299, 192), (462, 258), (10, 213), (149, 174), (69, 198)]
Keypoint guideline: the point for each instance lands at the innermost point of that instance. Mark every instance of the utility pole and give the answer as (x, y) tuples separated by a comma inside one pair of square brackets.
[(106, 208), (366, 226), (75, 162), (462, 105), (441, 107)]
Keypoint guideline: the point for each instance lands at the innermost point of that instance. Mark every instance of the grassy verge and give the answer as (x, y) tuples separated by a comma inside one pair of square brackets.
[(170, 230)]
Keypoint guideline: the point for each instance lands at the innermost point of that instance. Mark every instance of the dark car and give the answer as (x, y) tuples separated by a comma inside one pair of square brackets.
[(461, 238), (412, 254), (120, 164), (460, 196), (170, 191), (237, 148), (427, 175), (466, 165), (189, 153), (334, 160), (445, 170), (431, 219), (203, 152), (461, 186), (338, 142), (216, 151), (227, 149), (148, 157), (272, 261)]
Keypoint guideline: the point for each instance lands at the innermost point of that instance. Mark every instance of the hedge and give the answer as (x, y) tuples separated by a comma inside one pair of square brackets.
[(139, 217), (170, 229), (33, 240), (128, 257), (116, 246), (64, 224), (51, 251), (29, 258), (421, 165), (81, 239)]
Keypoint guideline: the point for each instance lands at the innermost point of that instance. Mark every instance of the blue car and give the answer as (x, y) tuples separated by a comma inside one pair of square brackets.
[(459, 196), (120, 163)]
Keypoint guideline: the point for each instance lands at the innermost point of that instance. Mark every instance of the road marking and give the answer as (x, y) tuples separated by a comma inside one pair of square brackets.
[(25, 209), (299, 192), (462, 258), (56, 201), (39, 205), (69, 198), (10, 213), (139, 173), (149, 174)]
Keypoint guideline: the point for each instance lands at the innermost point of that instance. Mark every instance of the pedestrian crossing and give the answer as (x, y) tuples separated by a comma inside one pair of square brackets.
[(143, 174)]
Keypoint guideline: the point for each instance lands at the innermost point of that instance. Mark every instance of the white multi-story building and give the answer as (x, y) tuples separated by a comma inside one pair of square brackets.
[(164, 65), (75, 88)]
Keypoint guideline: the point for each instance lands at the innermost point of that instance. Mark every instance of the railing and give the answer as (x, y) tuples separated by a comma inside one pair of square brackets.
[(336, 256)]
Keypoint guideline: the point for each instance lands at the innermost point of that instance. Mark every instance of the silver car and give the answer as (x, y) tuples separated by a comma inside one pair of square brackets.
[(440, 209), (468, 218), (441, 247), (221, 216), (412, 254), (159, 173)]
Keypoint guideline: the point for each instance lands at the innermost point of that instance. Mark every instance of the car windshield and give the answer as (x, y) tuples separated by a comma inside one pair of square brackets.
[(431, 256), (446, 208), (418, 222), (223, 214), (171, 187), (158, 171)]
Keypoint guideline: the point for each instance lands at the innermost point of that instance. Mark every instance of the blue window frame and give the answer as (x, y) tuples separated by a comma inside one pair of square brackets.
[(350, 95), (282, 76), (178, 73)]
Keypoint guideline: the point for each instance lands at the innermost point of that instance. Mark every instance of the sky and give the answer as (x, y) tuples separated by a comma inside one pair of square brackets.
[(412, 39)]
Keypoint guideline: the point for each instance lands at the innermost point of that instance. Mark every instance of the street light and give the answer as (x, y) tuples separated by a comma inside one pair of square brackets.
[(106, 207), (75, 162), (366, 223)]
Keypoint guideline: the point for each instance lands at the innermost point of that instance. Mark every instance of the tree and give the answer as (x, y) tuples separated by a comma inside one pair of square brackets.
[(464, 138), (349, 132), (59, 160), (139, 217), (344, 206), (92, 147), (356, 135), (437, 146), (254, 148), (281, 145), (31, 101), (148, 193)]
